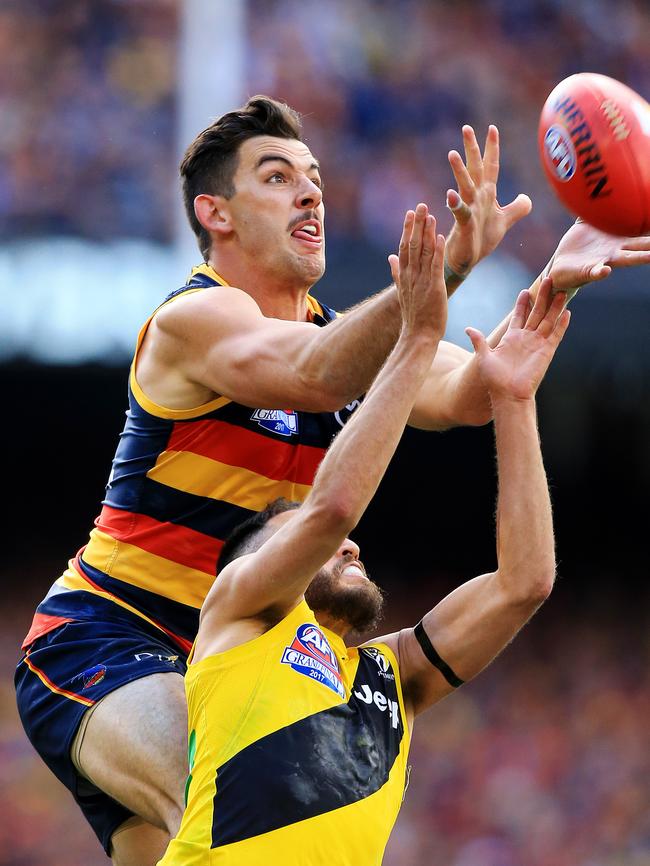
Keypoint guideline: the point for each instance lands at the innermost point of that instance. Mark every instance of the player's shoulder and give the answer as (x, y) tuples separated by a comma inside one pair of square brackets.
[(195, 307)]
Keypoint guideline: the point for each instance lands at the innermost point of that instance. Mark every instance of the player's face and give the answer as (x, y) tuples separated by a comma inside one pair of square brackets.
[(277, 210), (343, 591)]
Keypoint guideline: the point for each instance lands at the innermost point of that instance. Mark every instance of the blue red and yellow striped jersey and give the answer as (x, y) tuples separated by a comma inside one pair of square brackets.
[(181, 480), (298, 751)]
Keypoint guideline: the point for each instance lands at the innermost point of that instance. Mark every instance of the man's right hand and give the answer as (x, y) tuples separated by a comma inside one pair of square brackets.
[(418, 273), (515, 367)]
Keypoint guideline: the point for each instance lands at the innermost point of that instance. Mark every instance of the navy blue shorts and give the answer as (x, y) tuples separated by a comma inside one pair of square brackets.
[(69, 670)]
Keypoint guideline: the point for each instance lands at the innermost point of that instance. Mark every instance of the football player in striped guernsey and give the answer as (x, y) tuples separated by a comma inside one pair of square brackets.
[(299, 743)]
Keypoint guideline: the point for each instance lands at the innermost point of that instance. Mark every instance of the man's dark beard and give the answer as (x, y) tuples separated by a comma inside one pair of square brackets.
[(360, 604)]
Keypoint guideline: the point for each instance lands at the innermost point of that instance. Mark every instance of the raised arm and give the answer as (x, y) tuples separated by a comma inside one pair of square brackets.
[(453, 392), (275, 576), (465, 631)]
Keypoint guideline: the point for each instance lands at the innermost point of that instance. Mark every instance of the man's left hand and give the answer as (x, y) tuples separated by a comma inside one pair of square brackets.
[(586, 254), (480, 221)]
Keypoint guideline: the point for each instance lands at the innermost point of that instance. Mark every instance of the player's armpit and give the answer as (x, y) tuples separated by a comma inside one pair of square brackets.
[(466, 631), (225, 344)]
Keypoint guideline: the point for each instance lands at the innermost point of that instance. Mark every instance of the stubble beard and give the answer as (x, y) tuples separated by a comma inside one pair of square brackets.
[(360, 604)]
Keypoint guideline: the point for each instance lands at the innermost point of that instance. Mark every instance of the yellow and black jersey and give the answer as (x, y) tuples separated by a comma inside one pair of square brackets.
[(298, 750), (181, 481)]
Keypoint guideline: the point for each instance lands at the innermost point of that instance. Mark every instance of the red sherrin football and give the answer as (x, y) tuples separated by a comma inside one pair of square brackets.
[(594, 141)]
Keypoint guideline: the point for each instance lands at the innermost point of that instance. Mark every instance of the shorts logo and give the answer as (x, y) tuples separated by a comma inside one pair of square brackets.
[(560, 152), (91, 677), (311, 655), (282, 421), (139, 657)]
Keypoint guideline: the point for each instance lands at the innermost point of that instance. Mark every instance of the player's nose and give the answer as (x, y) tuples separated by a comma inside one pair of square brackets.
[(348, 548), (309, 195)]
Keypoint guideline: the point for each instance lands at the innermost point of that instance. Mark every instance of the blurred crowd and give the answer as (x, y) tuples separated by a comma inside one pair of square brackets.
[(88, 95), (544, 760)]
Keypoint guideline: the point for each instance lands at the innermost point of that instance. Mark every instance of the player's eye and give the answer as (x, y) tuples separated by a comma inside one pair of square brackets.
[(277, 177)]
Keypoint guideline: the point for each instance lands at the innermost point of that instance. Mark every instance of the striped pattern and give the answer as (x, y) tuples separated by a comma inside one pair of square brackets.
[(181, 481), (43, 677)]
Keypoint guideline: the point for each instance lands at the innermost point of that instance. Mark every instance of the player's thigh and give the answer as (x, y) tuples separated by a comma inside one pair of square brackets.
[(134, 748), (137, 843)]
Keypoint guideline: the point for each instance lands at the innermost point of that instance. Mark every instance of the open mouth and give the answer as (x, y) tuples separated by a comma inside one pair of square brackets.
[(308, 232), (354, 570)]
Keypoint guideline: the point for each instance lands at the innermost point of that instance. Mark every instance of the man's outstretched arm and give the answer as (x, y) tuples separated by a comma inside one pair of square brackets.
[(465, 631), (272, 580), (453, 393), (209, 343)]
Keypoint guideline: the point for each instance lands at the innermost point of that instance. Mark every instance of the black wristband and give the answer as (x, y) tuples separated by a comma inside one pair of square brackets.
[(427, 648)]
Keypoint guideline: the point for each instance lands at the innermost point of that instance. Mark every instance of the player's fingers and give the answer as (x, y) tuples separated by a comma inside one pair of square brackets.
[(404, 240), (491, 155), (541, 305), (630, 258), (428, 240), (393, 263), (460, 211), (521, 310), (641, 243), (560, 329), (461, 176), (599, 272), (438, 262), (473, 158), (517, 209), (415, 243), (477, 340), (554, 312)]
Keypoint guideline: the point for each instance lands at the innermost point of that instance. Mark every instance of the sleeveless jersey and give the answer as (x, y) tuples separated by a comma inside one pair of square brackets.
[(298, 751), (181, 480)]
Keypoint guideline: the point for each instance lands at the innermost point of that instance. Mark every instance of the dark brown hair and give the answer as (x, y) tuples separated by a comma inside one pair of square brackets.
[(210, 162), (249, 536)]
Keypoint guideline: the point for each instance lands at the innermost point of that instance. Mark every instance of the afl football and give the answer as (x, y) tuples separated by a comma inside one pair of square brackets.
[(594, 142)]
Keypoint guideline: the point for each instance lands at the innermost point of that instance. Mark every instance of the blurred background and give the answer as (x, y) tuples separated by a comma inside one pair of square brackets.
[(544, 760)]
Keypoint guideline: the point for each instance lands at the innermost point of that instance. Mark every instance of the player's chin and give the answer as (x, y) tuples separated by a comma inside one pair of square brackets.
[(313, 264)]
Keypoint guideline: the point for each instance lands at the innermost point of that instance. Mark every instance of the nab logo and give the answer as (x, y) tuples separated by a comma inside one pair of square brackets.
[(380, 700), (311, 655), (282, 421)]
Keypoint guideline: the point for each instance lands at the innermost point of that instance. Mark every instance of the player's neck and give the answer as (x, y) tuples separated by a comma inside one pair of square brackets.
[(274, 296), (339, 626)]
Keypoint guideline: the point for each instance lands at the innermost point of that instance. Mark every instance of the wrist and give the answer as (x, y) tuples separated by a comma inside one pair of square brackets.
[(453, 278), (457, 267), (504, 401)]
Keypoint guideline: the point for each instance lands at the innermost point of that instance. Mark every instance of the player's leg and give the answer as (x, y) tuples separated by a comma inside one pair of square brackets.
[(133, 747), (138, 843)]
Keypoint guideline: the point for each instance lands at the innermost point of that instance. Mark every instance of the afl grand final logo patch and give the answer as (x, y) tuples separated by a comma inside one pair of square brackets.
[(311, 655), (282, 421)]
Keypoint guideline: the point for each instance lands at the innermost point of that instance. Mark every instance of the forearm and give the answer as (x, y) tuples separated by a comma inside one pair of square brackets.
[(453, 393), (356, 461), (347, 355), (344, 357), (525, 543)]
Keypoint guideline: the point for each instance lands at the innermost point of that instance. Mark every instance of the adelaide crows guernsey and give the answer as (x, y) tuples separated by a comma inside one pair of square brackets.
[(181, 480), (298, 750)]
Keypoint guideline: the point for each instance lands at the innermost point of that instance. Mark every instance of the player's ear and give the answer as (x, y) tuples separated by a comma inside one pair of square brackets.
[(213, 213)]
